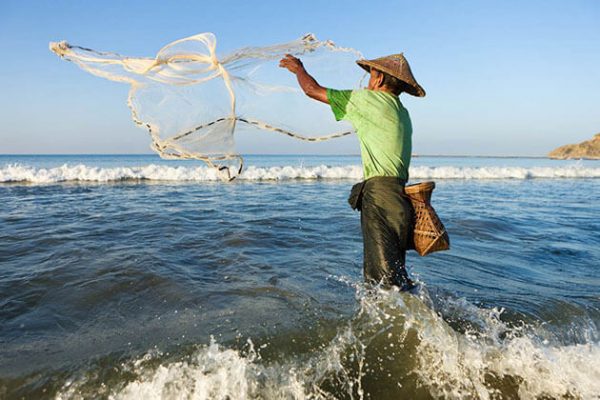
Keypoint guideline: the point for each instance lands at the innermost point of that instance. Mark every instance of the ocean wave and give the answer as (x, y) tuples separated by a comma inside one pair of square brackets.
[(154, 172), (395, 346)]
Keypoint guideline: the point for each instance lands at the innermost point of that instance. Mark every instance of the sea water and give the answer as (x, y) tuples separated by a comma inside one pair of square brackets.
[(131, 277)]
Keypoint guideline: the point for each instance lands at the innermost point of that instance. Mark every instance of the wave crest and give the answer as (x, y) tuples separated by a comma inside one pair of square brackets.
[(394, 346), (154, 172)]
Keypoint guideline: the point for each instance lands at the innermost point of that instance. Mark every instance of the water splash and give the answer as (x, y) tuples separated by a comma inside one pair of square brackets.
[(395, 346)]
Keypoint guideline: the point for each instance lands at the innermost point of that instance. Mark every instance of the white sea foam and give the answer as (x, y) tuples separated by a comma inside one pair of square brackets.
[(459, 365), (393, 337), (153, 172)]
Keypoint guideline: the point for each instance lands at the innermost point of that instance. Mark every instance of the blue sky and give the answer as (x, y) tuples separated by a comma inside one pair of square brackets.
[(502, 77)]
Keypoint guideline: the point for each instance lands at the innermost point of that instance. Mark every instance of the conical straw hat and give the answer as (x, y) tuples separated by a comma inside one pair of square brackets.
[(397, 66)]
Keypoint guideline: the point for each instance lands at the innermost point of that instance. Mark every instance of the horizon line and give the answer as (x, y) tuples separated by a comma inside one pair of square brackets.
[(280, 154)]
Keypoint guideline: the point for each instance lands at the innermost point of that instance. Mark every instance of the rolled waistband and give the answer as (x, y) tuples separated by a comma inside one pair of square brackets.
[(375, 184), (385, 181)]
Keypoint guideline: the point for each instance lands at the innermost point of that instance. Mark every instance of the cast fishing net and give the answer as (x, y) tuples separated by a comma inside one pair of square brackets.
[(192, 101)]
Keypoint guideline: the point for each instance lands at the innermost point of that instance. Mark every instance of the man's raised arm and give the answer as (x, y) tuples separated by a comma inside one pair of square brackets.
[(308, 84)]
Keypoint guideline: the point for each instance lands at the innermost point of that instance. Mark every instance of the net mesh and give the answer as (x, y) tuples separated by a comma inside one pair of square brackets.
[(192, 101)]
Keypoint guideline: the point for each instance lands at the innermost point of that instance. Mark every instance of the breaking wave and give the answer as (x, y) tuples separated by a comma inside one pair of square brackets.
[(154, 172), (395, 346)]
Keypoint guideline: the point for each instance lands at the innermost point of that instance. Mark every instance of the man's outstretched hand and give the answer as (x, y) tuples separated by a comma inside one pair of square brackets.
[(308, 84), (291, 63)]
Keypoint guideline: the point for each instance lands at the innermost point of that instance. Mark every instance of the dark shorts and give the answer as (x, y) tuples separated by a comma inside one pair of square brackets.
[(386, 221)]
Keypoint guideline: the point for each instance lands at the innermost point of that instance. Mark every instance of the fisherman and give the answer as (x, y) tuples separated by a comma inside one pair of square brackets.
[(384, 130)]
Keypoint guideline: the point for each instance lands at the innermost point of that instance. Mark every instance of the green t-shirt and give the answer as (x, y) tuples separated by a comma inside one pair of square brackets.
[(383, 127)]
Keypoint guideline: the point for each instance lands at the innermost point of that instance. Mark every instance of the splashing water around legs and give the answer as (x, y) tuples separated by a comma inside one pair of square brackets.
[(394, 346)]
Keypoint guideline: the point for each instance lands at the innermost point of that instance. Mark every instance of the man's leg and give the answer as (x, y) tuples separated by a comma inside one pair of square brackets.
[(385, 238)]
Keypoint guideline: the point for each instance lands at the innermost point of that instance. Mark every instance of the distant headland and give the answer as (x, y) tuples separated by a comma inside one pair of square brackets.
[(590, 149)]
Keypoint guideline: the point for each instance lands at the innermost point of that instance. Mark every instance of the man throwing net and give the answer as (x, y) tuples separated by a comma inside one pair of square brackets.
[(384, 130)]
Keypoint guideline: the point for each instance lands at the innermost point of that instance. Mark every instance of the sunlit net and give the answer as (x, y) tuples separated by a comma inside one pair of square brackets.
[(192, 102)]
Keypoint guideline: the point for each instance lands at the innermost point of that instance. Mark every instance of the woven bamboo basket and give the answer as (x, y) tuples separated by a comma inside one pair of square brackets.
[(429, 233)]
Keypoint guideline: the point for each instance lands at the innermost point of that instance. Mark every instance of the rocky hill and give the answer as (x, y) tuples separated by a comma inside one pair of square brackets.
[(589, 149)]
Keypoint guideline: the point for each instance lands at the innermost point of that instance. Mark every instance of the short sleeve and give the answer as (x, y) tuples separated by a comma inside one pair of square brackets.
[(338, 100)]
